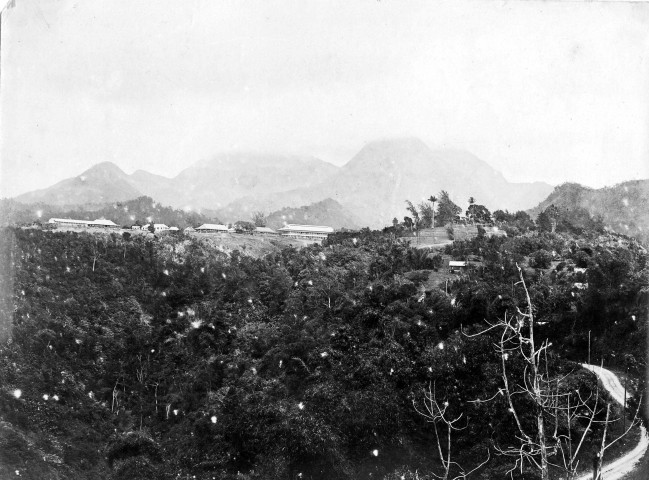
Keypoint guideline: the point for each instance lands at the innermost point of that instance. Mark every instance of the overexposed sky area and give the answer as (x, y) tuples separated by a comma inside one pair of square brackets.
[(551, 91)]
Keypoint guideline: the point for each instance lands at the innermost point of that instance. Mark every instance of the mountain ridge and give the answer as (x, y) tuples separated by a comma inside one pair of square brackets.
[(372, 186), (326, 212), (375, 183), (624, 207)]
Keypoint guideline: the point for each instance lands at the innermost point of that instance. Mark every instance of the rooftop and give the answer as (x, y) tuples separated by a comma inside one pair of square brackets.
[(213, 226), (104, 222), (264, 230), (306, 228), (68, 220)]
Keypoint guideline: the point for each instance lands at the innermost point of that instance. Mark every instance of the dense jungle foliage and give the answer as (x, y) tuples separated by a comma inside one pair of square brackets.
[(163, 358)]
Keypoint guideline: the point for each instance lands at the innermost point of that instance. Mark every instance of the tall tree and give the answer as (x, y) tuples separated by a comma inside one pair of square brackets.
[(447, 210), (415, 217), (478, 213), (242, 226), (433, 199), (553, 213), (471, 202), (426, 214), (259, 219), (547, 219)]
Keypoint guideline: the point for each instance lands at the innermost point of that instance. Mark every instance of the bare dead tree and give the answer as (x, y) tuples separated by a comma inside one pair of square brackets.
[(116, 403), (95, 255), (604, 445), (552, 442), (436, 414), (95, 252), (517, 337), (572, 411)]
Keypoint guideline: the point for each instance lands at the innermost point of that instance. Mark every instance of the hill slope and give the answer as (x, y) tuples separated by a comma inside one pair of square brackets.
[(104, 182), (327, 212), (215, 182), (624, 208)]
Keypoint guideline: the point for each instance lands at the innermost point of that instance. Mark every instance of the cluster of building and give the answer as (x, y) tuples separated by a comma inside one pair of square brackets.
[(309, 232), (157, 227)]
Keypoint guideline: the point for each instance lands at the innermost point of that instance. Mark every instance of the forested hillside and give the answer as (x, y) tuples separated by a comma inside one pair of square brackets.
[(623, 208), (141, 358), (327, 212)]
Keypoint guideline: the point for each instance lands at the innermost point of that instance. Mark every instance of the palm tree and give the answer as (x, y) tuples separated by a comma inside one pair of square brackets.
[(471, 202), (415, 217), (433, 199)]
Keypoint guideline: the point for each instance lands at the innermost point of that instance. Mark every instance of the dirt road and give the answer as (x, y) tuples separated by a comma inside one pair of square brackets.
[(617, 469)]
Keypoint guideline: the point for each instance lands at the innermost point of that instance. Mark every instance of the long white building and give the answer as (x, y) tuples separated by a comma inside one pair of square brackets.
[(158, 227), (213, 228), (69, 222), (317, 232)]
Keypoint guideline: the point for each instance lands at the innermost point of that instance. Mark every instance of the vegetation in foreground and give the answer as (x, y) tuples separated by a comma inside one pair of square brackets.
[(159, 358)]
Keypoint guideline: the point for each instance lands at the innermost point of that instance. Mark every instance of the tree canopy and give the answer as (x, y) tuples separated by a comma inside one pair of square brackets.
[(447, 211), (169, 357)]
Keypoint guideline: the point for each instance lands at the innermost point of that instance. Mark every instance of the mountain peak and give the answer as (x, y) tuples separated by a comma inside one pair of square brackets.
[(398, 144), (103, 170), (105, 167), (103, 182), (390, 154)]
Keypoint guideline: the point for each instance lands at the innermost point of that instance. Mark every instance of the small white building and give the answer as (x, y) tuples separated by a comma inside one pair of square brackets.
[(212, 228), (157, 227), (456, 266), (316, 232)]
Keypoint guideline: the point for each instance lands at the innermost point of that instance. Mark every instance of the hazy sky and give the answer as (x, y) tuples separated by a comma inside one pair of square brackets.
[(553, 91)]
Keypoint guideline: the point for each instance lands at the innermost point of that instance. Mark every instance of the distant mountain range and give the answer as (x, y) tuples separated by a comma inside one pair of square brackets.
[(624, 208), (375, 183), (206, 184), (370, 190)]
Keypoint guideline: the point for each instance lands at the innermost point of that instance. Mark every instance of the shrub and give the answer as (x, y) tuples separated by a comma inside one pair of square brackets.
[(540, 259), (451, 232)]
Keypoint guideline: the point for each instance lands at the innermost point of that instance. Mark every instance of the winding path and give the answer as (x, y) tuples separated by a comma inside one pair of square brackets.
[(617, 469)]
